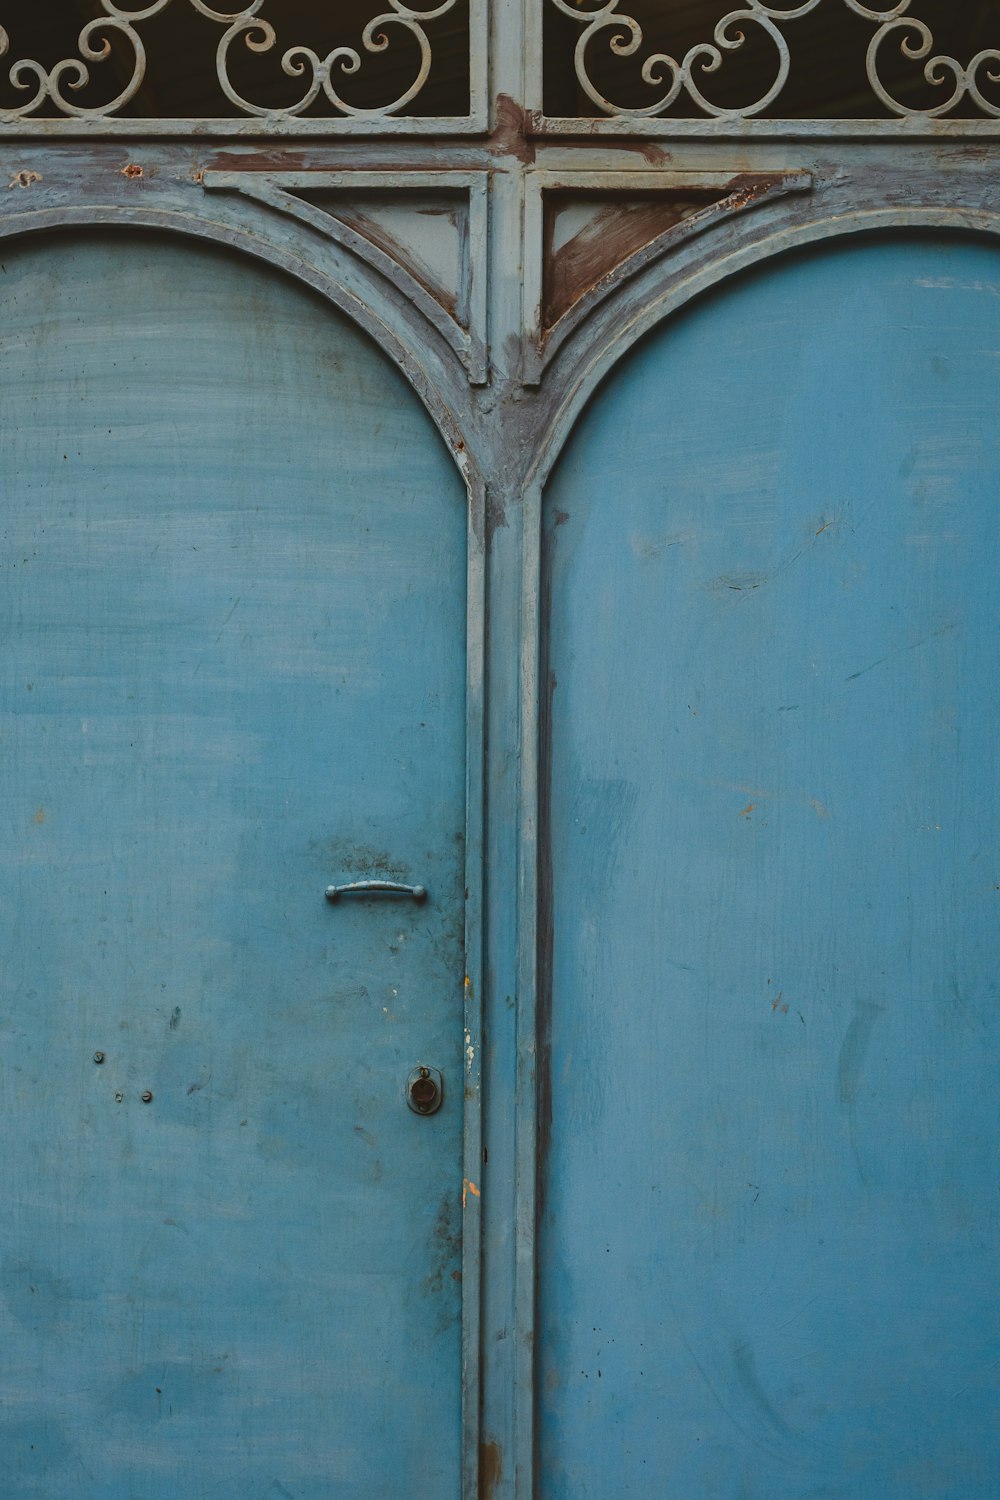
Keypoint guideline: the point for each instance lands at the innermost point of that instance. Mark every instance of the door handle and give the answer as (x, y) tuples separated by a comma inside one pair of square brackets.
[(376, 888)]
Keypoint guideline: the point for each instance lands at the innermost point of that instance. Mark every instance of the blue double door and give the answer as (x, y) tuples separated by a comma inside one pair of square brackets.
[(770, 1236), (234, 672), (234, 642)]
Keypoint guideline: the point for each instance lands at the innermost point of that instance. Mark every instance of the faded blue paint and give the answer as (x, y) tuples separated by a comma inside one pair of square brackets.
[(769, 1243), (233, 625)]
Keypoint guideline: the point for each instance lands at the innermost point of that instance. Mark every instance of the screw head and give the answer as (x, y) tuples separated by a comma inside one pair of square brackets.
[(146, 1096), (98, 1057)]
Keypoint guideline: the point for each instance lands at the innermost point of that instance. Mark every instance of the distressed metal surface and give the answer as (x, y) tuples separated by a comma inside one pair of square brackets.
[(452, 297), (873, 194), (235, 666), (351, 220), (674, 207), (767, 1259)]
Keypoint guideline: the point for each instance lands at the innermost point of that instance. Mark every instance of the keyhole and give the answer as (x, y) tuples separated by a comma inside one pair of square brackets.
[(424, 1091)]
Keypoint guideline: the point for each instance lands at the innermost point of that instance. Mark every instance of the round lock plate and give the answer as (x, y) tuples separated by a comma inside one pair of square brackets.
[(424, 1090)]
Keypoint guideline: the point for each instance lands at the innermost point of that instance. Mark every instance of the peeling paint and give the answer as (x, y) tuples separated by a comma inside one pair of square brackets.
[(490, 1469), (511, 135)]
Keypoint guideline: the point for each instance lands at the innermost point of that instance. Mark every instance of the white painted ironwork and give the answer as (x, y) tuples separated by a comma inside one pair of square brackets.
[(675, 76), (246, 25)]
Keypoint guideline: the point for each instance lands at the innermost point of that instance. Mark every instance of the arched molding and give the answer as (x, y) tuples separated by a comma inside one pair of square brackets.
[(620, 323), (356, 290), (592, 264), (457, 312)]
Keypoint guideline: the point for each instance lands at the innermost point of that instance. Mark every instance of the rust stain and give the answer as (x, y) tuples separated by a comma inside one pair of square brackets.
[(468, 1188), (778, 1004), (655, 155), (511, 135), (490, 1469), (749, 186), (259, 161), (447, 1245), (748, 810), (451, 214), (372, 231), (131, 169), (24, 179), (624, 225)]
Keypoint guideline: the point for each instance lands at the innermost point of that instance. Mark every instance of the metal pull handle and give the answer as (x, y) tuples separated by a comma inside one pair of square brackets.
[(376, 888)]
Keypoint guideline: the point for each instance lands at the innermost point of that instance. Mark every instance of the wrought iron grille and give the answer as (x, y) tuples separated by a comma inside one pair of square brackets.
[(821, 59), (273, 62)]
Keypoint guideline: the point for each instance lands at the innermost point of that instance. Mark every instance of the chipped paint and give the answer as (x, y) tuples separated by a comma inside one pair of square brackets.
[(490, 1469), (512, 137)]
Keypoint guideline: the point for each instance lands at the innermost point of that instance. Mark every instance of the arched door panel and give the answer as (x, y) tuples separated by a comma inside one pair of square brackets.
[(233, 632), (769, 1229)]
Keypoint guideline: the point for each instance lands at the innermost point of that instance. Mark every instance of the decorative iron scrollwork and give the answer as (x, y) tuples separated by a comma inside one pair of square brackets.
[(244, 24), (74, 73), (676, 76)]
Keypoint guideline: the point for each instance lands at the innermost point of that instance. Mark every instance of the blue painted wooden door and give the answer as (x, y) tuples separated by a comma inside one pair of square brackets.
[(771, 1211), (233, 627)]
